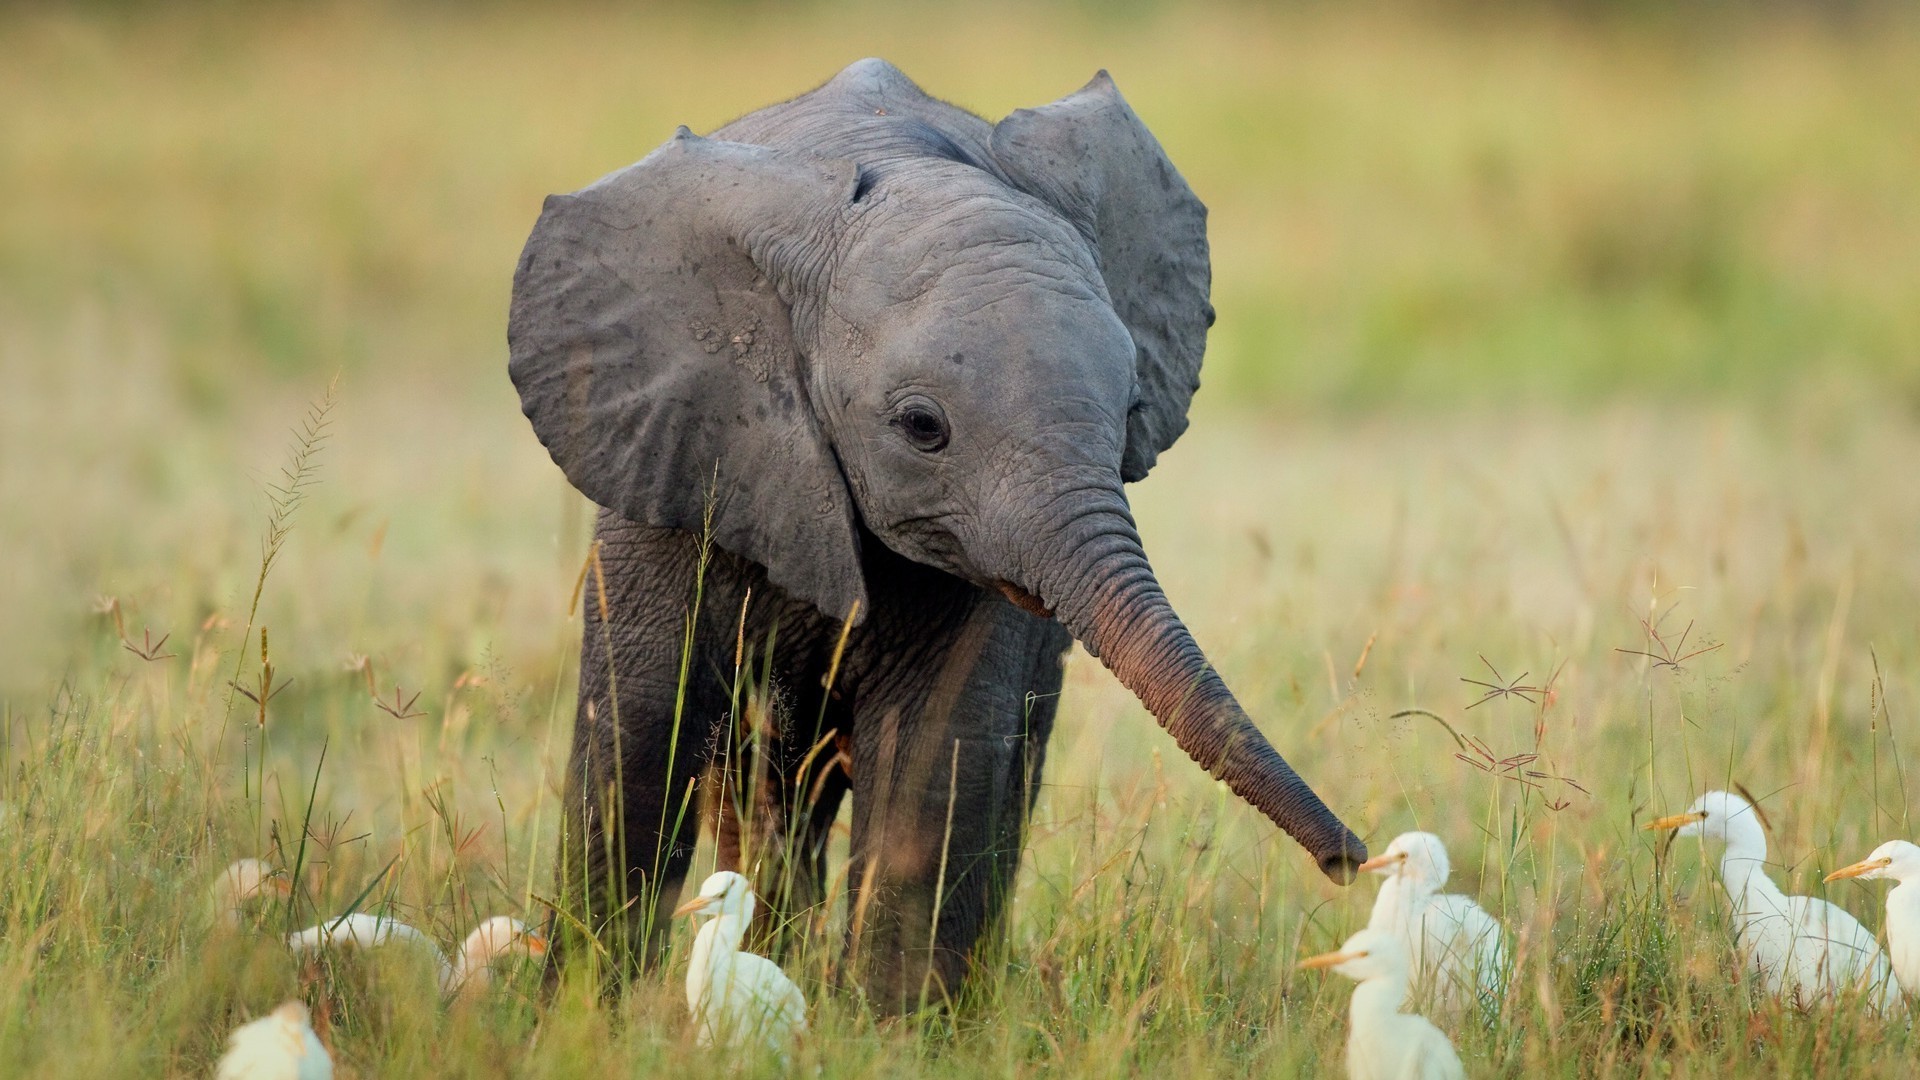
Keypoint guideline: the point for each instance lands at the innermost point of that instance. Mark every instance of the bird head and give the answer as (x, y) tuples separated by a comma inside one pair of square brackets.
[(1414, 856), (248, 879), (725, 893), (293, 1014), (1714, 815), (500, 937), (1894, 859), (245, 881), (1369, 954)]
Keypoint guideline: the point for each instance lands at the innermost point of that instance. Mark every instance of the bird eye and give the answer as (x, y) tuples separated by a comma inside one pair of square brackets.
[(922, 422)]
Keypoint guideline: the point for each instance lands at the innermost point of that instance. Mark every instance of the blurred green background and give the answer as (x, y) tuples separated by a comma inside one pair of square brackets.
[(1409, 205)]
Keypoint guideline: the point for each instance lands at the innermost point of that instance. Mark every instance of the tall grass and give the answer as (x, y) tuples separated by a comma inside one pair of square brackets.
[(1156, 920)]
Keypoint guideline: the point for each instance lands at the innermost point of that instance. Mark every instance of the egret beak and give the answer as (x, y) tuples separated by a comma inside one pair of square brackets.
[(1332, 959), (1862, 867), (1674, 821), (694, 906), (536, 943), (1379, 862)]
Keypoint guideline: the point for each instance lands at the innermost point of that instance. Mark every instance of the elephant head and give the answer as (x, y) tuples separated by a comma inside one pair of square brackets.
[(866, 313)]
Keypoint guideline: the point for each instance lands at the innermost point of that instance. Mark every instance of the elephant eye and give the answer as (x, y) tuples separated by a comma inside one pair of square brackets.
[(920, 420)]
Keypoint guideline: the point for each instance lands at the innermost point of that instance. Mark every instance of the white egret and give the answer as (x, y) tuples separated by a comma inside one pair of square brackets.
[(243, 882), (1384, 1043), (1900, 861), (471, 969), (1804, 949), (735, 997), (1453, 945), (494, 940), (279, 1046)]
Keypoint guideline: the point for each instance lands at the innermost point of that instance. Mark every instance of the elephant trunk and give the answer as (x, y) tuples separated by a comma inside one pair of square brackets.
[(1098, 583)]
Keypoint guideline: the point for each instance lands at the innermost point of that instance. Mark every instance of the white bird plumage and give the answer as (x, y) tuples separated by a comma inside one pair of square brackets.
[(1899, 861), (279, 1046), (243, 882), (1805, 950), (1384, 1043), (1453, 946), (471, 969), (737, 999)]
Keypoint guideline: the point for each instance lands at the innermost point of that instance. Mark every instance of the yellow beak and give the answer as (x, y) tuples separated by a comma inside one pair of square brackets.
[(1674, 821), (1861, 867), (1332, 959), (279, 885), (1379, 861), (536, 943), (692, 907)]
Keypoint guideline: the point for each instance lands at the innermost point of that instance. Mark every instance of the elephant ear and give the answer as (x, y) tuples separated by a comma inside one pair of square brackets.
[(1091, 159), (653, 349)]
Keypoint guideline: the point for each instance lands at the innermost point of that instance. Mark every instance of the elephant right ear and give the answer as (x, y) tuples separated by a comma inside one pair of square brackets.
[(653, 349)]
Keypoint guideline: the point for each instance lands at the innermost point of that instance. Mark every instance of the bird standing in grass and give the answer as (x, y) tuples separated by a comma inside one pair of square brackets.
[(496, 939), (241, 884), (1384, 1043), (1452, 944), (1805, 950), (279, 1046), (737, 999), (1900, 861)]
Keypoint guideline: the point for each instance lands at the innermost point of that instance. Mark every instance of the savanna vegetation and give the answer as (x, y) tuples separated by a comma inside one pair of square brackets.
[(1571, 353)]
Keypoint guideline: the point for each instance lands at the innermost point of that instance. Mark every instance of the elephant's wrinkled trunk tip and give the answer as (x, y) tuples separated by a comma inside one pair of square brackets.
[(1342, 865)]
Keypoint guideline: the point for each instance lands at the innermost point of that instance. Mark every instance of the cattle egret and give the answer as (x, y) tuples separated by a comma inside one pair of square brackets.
[(1900, 861), (1384, 1043), (737, 998), (1452, 944), (279, 1046), (499, 938), (243, 882), (495, 939), (1805, 950)]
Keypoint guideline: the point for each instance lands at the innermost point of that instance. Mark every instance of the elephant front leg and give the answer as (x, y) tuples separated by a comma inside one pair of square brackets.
[(773, 801), (942, 784), (631, 817), (629, 827)]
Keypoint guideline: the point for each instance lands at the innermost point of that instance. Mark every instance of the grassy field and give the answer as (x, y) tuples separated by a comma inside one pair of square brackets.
[(1540, 340)]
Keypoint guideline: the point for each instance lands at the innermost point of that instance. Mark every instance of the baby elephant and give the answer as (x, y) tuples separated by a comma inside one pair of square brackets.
[(857, 381)]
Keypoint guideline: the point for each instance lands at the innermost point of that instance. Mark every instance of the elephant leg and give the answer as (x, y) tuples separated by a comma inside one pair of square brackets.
[(813, 789), (630, 820), (947, 753), (781, 790), (1017, 789)]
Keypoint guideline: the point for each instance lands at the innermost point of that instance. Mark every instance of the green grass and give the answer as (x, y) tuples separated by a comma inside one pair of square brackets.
[(1529, 328)]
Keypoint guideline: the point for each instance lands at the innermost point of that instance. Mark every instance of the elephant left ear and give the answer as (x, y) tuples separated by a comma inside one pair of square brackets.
[(1091, 159)]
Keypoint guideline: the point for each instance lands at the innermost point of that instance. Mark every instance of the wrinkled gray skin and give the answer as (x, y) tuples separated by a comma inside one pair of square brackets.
[(906, 359)]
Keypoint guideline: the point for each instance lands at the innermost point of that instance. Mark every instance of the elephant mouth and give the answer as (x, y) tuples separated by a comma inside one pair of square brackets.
[(1024, 600)]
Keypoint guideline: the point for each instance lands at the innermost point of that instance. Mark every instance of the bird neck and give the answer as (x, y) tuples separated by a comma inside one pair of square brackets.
[(719, 941), (1903, 915), (1743, 863), (1398, 901), (714, 948), (1377, 999)]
